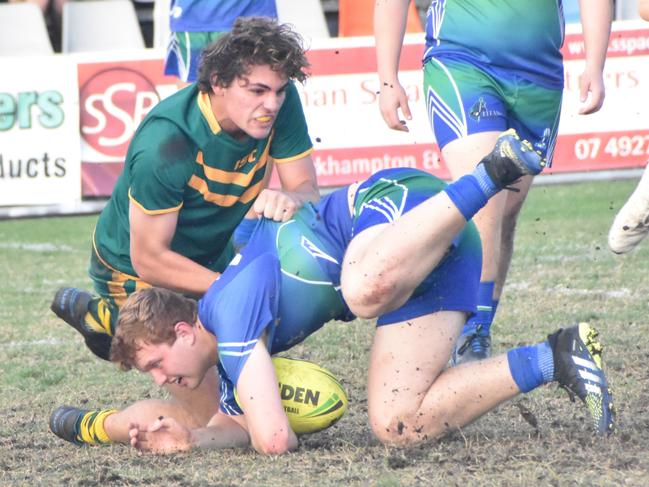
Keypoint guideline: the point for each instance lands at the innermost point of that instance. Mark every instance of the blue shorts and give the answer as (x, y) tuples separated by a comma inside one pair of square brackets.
[(463, 99), (453, 284)]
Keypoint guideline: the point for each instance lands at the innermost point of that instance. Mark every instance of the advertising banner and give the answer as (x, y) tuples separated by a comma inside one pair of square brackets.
[(352, 140), (340, 100), (39, 131), (114, 97)]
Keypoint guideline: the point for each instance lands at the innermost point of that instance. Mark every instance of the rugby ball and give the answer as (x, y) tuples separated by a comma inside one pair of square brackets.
[(312, 397)]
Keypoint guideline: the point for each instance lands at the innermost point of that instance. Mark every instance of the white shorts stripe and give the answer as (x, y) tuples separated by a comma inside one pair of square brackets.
[(237, 344), (235, 354), (437, 106)]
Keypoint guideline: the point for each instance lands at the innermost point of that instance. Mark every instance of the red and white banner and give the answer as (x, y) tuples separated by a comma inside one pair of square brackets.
[(114, 97), (39, 141), (93, 103), (340, 100)]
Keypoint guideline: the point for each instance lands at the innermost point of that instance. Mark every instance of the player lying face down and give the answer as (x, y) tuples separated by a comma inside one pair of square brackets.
[(396, 247)]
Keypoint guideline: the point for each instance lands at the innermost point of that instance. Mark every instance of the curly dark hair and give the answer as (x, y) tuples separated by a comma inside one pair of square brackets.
[(253, 41)]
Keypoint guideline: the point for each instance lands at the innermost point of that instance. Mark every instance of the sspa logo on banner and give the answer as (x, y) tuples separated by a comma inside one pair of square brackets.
[(114, 98), (113, 103)]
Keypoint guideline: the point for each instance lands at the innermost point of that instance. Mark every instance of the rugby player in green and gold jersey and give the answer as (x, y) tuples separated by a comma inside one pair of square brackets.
[(198, 163)]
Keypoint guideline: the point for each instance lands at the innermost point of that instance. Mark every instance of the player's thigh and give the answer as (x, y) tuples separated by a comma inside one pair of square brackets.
[(201, 403), (110, 284), (381, 200), (351, 270), (534, 113), (466, 110), (406, 358), (461, 156)]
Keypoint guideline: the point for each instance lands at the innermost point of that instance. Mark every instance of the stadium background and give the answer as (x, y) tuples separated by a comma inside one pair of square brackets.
[(63, 136), (561, 273)]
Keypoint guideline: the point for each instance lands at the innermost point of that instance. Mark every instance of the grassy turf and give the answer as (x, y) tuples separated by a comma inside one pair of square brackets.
[(562, 273)]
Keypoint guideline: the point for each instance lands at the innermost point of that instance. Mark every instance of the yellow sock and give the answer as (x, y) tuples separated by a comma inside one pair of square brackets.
[(101, 322), (91, 427)]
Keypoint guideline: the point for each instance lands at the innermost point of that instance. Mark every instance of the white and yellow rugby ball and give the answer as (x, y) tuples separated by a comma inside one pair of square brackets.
[(312, 397)]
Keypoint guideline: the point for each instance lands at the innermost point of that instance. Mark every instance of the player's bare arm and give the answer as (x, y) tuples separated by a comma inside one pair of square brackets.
[(166, 435), (299, 185), (596, 16), (267, 424), (153, 258), (390, 17)]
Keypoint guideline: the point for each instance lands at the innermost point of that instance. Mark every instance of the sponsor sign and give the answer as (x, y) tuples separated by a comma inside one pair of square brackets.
[(39, 132), (114, 97), (352, 141), (341, 105)]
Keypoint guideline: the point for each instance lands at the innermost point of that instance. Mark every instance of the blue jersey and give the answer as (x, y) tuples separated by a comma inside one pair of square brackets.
[(265, 287), (216, 15), (516, 36), (285, 284)]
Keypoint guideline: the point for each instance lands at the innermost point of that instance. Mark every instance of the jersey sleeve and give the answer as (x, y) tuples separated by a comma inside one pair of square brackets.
[(238, 308), (227, 400), (291, 139), (160, 163)]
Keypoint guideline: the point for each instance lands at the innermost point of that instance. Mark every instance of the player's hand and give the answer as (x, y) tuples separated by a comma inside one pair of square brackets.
[(392, 98), (591, 91), (275, 205), (164, 436)]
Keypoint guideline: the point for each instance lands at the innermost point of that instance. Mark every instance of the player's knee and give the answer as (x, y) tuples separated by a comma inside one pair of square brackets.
[(368, 296), (405, 429)]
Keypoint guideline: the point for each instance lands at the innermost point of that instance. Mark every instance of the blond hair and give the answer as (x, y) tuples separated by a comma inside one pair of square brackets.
[(149, 316)]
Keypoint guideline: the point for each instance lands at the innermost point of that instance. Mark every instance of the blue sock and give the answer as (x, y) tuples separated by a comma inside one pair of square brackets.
[(467, 195), (484, 314), (485, 182), (531, 366)]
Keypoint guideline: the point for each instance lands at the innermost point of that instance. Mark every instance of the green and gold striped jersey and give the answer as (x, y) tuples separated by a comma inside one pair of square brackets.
[(181, 161)]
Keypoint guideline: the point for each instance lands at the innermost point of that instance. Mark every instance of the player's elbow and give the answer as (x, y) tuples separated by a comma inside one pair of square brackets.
[(277, 443), (144, 265)]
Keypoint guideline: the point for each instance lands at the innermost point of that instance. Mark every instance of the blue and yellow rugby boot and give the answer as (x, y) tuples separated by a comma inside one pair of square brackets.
[(578, 369), (510, 159)]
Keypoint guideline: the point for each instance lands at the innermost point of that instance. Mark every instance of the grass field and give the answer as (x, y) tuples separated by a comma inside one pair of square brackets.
[(562, 273)]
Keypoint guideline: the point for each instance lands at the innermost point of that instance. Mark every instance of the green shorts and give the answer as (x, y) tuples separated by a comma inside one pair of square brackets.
[(109, 283), (462, 99), (184, 53)]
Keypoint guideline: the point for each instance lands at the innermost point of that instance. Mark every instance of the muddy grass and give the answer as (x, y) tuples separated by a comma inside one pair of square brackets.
[(562, 273)]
